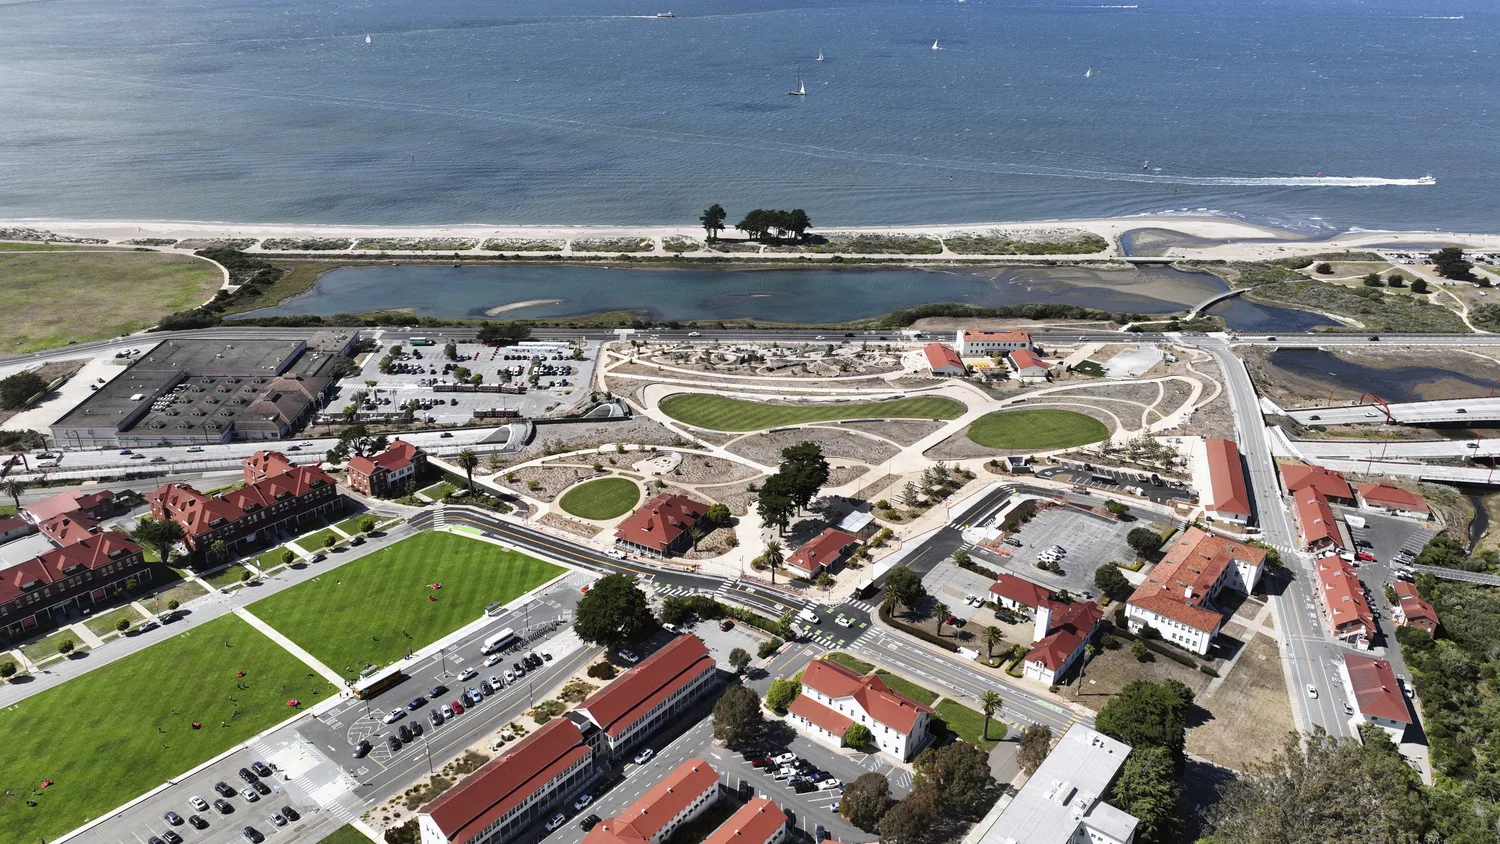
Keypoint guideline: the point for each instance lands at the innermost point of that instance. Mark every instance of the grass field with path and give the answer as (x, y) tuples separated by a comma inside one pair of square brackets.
[(601, 499), (46, 647), (225, 577), (124, 728), (717, 413), (375, 608), (51, 298), (1042, 428), (313, 542), (968, 724), (920, 694), (854, 664)]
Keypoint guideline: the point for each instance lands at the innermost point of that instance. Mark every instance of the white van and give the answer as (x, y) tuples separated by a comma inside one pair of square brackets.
[(808, 616)]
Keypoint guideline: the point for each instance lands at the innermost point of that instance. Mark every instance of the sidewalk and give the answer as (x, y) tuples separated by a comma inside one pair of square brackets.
[(291, 647)]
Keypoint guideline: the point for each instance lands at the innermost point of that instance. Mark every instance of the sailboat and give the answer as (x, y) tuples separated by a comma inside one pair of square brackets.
[(801, 88), (1088, 73), (820, 56), (934, 45), (367, 39)]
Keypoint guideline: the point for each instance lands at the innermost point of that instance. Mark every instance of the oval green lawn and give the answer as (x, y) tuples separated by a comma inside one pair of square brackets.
[(718, 413), (601, 499), (1039, 429)]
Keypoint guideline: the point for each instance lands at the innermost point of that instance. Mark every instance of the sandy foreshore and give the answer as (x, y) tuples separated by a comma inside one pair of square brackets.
[(1217, 237), (517, 306)]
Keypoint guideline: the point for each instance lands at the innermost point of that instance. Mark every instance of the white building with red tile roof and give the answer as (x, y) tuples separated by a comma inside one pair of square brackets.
[(660, 527), (15, 527), (246, 514), (1412, 610), (821, 552), (1385, 497), (1315, 521), (985, 342), (1344, 605), (1018, 593), (96, 505), (943, 360), (834, 697), (522, 786), (1028, 365), (1060, 633), (387, 472), (93, 568), (1177, 596), (681, 796), (1330, 484), (1377, 695), (652, 693), (1228, 497), (759, 821)]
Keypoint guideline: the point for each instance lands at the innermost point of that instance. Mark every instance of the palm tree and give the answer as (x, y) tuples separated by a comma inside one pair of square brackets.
[(941, 612), (992, 637), (696, 533), (1088, 653), (889, 603), (468, 461), (219, 550), (772, 558), (14, 488), (991, 704)]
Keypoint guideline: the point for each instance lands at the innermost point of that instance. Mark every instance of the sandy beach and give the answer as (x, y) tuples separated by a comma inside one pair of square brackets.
[(1218, 237)]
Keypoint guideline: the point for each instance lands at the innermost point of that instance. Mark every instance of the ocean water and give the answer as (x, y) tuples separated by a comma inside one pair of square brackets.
[(1306, 113)]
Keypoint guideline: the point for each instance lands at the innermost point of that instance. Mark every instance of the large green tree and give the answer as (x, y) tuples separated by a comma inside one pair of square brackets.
[(15, 390), (866, 800), (806, 471), (775, 502), (614, 613), (1144, 541), (905, 586), (356, 441), (504, 333), (1147, 789), (1146, 714), (913, 820), (781, 694), (159, 535), (960, 772), (713, 219), (737, 717), (1036, 743), (1110, 581)]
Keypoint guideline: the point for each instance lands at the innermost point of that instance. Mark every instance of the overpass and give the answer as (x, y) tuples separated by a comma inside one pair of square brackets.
[(1404, 413)]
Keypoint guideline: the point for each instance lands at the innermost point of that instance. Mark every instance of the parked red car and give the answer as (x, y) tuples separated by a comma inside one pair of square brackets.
[(458, 708), (1364, 556)]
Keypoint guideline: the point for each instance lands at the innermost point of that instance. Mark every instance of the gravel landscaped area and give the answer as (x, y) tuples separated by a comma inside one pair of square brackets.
[(766, 448), (698, 375), (840, 475), (521, 244), (959, 447), (702, 469), (715, 544), (638, 430), (572, 526), (902, 432), (551, 480), (737, 497)]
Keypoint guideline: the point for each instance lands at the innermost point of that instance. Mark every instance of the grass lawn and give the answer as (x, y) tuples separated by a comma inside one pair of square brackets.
[(7, 509), (272, 558), (49, 299), (10, 246), (346, 835), (313, 542), (967, 723), (335, 621), (47, 646), (604, 498), (849, 662), (104, 623), (97, 737), (1089, 367), (718, 413), (1036, 429), (907, 687), (351, 525), (438, 491), (226, 577), (181, 592)]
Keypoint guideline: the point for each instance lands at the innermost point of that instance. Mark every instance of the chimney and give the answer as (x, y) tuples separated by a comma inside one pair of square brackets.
[(1187, 592)]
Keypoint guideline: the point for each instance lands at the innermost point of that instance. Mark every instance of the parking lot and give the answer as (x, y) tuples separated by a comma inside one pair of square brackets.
[(1162, 490), (1090, 541), (952, 585), (551, 378)]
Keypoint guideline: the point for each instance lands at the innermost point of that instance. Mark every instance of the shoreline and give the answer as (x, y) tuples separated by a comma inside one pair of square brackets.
[(1229, 239)]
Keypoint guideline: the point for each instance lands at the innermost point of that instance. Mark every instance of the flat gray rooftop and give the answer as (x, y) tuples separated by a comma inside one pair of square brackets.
[(1065, 792)]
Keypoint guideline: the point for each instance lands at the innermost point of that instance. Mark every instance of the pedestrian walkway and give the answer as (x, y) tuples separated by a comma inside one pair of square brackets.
[(292, 647), (86, 635)]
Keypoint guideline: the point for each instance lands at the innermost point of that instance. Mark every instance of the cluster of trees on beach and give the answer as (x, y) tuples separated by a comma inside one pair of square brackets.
[(1450, 263), (758, 223)]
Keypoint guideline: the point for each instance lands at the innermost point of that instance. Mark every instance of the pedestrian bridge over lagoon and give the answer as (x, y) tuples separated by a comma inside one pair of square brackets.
[(1442, 412)]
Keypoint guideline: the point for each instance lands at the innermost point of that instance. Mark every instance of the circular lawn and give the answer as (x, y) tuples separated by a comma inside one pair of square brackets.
[(601, 499), (1037, 430)]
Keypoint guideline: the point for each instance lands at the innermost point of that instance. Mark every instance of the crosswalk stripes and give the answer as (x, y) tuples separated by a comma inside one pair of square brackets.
[(866, 606)]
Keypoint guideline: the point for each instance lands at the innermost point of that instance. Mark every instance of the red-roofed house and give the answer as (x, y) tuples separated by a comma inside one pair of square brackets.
[(757, 822), (1320, 531), (69, 527), (1330, 484), (1344, 602), (96, 505), (680, 797), (253, 511), (1412, 610), (512, 791), (388, 472), (1028, 365), (1018, 593), (1386, 497), (652, 693), (660, 527), (1378, 697), (1058, 638), (1226, 475), (89, 570), (1176, 598), (265, 464), (14, 527), (943, 360), (821, 552), (984, 342), (833, 697)]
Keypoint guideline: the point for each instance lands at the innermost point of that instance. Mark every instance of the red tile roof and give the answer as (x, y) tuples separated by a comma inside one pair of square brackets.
[(10, 523), (1070, 626), (939, 356), (1376, 691), (1017, 336), (1021, 590), (464, 810), (822, 550), (1343, 596), (90, 552), (658, 807), (659, 522), (821, 716), (264, 464), (1316, 518), (1385, 494), (754, 823), (1227, 477), (397, 456), (1026, 358), (1331, 484), (1414, 608), (197, 512), (66, 502), (69, 527), (621, 703), (1179, 585), (887, 707)]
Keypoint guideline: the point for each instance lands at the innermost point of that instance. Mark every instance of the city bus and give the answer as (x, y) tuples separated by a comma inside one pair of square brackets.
[(420, 341), (377, 682), (500, 641)]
